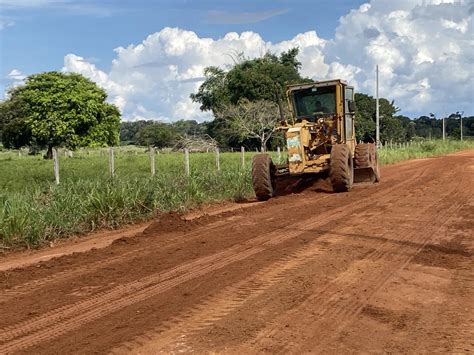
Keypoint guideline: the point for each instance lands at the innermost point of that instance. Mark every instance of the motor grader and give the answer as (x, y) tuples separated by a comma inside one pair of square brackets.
[(320, 139)]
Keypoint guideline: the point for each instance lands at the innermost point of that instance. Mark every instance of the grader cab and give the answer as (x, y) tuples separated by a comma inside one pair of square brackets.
[(320, 138)]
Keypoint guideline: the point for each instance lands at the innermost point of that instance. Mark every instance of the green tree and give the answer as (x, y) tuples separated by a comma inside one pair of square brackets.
[(14, 133), (213, 92), (365, 117), (189, 128), (257, 79), (157, 134), (391, 128), (64, 109)]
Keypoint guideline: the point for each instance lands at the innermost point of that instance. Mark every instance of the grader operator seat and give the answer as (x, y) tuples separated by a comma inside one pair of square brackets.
[(320, 108)]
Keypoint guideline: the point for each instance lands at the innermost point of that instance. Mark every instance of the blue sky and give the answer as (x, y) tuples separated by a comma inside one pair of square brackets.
[(343, 38), (43, 34)]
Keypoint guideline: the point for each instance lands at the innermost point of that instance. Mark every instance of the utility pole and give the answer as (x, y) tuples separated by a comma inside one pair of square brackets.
[(377, 113), (460, 116), (444, 124), (444, 128)]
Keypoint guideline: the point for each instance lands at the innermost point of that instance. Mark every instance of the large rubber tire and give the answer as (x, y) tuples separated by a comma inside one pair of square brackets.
[(362, 155), (341, 168), (263, 176), (365, 157)]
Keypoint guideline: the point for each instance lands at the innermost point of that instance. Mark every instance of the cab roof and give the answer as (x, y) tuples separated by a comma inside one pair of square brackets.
[(313, 84)]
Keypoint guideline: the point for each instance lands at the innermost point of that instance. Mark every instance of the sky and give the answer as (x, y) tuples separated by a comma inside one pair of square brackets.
[(149, 55)]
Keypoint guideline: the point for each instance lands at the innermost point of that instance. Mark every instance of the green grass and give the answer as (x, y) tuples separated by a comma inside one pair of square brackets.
[(422, 150), (34, 210)]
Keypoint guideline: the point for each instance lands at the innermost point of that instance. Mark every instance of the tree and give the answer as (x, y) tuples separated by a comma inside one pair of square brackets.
[(14, 133), (64, 109), (213, 92), (365, 117), (390, 127), (252, 119), (157, 134), (129, 131), (189, 128), (257, 79)]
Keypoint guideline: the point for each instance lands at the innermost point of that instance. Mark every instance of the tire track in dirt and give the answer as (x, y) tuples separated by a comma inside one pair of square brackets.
[(213, 309), (224, 302), (80, 270), (69, 317), (340, 311)]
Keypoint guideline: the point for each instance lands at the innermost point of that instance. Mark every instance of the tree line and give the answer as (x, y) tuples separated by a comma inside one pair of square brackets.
[(398, 129), (247, 102)]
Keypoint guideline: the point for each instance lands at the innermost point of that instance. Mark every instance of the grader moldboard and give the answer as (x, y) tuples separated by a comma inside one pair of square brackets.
[(320, 138)]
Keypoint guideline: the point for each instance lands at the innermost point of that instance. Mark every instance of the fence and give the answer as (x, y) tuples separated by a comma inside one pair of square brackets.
[(185, 161), (153, 155)]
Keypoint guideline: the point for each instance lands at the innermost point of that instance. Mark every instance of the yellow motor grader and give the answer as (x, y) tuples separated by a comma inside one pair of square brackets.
[(320, 138)]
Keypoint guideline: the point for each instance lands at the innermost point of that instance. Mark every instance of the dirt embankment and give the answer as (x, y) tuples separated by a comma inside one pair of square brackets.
[(382, 268)]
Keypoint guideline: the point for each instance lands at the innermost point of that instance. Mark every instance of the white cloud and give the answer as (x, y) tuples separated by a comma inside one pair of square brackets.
[(425, 51), (425, 55), (15, 74), (6, 22), (154, 79), (14, 78)]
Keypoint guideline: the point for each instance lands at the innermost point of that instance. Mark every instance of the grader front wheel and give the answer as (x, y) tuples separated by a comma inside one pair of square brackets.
[(263, 176), (341, 169)]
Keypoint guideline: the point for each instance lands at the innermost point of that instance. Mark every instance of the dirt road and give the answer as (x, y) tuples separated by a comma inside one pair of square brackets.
[(383, 268)]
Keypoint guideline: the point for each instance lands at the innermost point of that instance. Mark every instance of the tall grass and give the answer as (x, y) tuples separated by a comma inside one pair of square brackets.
[(423, 149), (33, 210)]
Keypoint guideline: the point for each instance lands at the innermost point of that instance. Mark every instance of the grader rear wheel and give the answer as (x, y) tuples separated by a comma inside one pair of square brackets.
[(341, 168), (364, 158), (366, 163), (263, 177)]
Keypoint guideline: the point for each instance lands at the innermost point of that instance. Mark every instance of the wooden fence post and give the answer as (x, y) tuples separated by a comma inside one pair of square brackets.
[(152, 161), (218, 163), (111, 162), (279, 154), (56, 166), (242, 156), (186, 161)]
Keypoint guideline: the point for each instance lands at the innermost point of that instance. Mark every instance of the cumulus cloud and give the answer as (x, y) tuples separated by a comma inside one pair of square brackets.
[(425, 52), (153, 80)]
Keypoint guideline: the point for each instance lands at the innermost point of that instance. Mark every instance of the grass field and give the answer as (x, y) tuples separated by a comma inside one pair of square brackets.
[(34, 210)]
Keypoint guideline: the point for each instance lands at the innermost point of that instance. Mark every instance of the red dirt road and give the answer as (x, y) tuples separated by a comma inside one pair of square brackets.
[(383, 268)]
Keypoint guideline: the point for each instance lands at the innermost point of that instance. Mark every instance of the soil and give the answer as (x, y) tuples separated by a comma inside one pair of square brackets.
[(382, 268)]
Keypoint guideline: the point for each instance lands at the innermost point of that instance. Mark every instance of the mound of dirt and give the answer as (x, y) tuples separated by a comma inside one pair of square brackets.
[(167, 223)]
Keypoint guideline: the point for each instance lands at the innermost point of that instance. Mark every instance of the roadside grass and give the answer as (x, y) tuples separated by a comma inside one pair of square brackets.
[(33, 210), (423, 150)]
